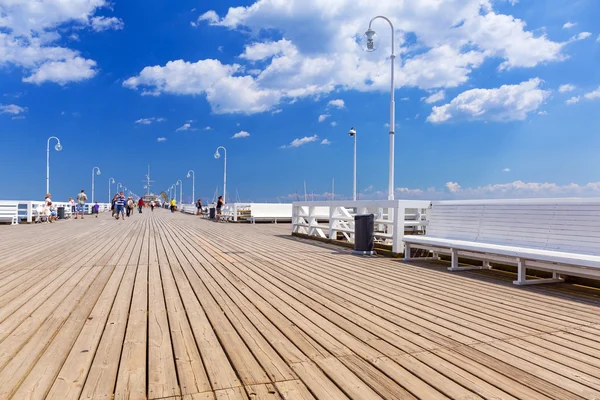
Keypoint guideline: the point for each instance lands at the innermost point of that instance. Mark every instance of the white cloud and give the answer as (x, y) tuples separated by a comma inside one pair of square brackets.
[(506, 170), (12, 109), (208, 128), (453, 187), (185, 127), (148, 121), (301, 142), (100, 24), (542, 113), (434, 98), (323, 117), (161, 139), (318, 53), (506, 103), (569, 25), (30, 29), (573, 100), (333, 123), (240, 134), (19, 117), (62, 72), (338, 103), (598, 39), (566, 88), (277, 111), (593, 95), (581, 36), (325, 141)]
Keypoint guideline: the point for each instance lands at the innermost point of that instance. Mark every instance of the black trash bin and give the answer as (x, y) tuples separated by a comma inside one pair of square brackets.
[(60, 213), (364, 240), (212, 213)]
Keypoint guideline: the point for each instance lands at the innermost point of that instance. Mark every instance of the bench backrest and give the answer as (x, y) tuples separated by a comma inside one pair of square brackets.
[(9, 211), (569, 225)]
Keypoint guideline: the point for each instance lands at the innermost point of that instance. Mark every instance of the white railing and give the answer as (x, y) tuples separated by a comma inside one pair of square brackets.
[(329, 220), (28, 209), (251, 212)]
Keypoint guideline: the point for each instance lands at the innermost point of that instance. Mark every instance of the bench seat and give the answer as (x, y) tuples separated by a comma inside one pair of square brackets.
[(509, 251)]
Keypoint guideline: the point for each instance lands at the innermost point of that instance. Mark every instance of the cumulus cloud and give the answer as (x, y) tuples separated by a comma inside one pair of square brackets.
[(30, 29), (593, 95), (333, 123), (573, 100), (323, 117), (581, 36), (434, 98), (185, 127), (100, 24), (569, 25), (325, 141), (277, 111), (453, 187), (12, 109), (542, 112), (148, 121), (301, 142), (338, 103), (318, 52), (566, 88), (506, 103), (506, 170), (161, 139), (240, 134)]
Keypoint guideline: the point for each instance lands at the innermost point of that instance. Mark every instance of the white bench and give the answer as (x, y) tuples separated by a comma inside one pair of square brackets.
[(10, 212), (561, 236)]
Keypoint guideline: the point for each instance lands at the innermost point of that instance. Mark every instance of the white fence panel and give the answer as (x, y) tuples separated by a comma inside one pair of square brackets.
[(330, 219)]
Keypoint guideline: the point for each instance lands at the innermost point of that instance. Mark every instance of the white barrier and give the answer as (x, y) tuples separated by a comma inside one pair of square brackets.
[(251, 212), (392, 218), (27, 210)]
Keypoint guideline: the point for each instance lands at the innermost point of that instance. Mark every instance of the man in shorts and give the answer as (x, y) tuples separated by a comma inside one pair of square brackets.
[(81, 199), (120, 203)]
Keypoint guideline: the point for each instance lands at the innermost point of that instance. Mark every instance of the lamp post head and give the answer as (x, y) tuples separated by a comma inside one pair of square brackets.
[(112, 180), (58, 147), (217, 155), (370, 40), (352, 131), (188, 175), (98, 172)]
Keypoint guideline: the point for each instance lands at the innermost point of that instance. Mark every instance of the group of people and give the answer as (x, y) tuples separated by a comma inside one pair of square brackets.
[(49, 210), (122, 207)]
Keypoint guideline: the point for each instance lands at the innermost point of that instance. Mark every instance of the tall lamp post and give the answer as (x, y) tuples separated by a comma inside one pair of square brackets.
[(193, 184), (58, 147), (97, 173), (173, 193), (371, 42), (353, 134), (217, 156), (110, 181), (180, 183)]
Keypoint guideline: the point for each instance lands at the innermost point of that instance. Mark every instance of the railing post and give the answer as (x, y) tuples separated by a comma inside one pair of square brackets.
[(398, 227), (235, 212), (332, 231), (29, 212)]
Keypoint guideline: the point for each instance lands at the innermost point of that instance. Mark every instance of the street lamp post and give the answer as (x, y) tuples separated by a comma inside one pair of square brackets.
[(119, 184), (217, 156), (193, 184), (370, 36), (180, 183), (353, 134), (58, 147), (110, 180), (97, 173)]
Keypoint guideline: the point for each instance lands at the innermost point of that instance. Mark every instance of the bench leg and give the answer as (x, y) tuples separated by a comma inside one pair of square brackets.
[(522, 276), (454, 266)]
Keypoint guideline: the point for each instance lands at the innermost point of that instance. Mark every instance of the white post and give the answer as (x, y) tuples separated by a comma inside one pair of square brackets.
[(110, 180), (29, 211), (354, 183), (180, 183), (93, 182), (217, 155), (397, 227), (58, 147), (193, 185)]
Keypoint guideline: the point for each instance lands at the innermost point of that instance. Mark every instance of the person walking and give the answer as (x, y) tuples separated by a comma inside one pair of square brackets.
[(140, 205), (113, 204), (220, 204), (199, 206), (81, 199), (173, 205), (130, 206), (96, 209), (152, 205), (120, 204), (73, 206)]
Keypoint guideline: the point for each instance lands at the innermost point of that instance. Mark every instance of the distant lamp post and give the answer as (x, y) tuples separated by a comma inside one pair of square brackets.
[(110, 181), (173, 193), (57, 147), (371, 41), (352, 133), (180, 183), (93, 181), (119, 184), (193, 184), (217, 156)]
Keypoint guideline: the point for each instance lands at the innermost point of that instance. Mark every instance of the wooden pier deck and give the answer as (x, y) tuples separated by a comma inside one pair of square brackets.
[(168, 306)]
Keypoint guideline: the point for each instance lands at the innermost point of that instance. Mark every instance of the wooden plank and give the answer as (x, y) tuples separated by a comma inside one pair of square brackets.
[(293, 390), (262, 392)]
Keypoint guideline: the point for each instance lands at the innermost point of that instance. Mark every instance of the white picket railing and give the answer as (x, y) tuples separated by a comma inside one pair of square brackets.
[(392, 219), (251, 212), (27, 209)]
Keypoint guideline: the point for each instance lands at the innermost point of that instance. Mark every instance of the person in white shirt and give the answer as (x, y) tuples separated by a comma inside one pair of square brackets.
[(81, 199), (73, 206)]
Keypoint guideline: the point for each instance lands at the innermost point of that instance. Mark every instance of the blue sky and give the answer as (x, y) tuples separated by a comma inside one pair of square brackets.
[(493, 98)]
